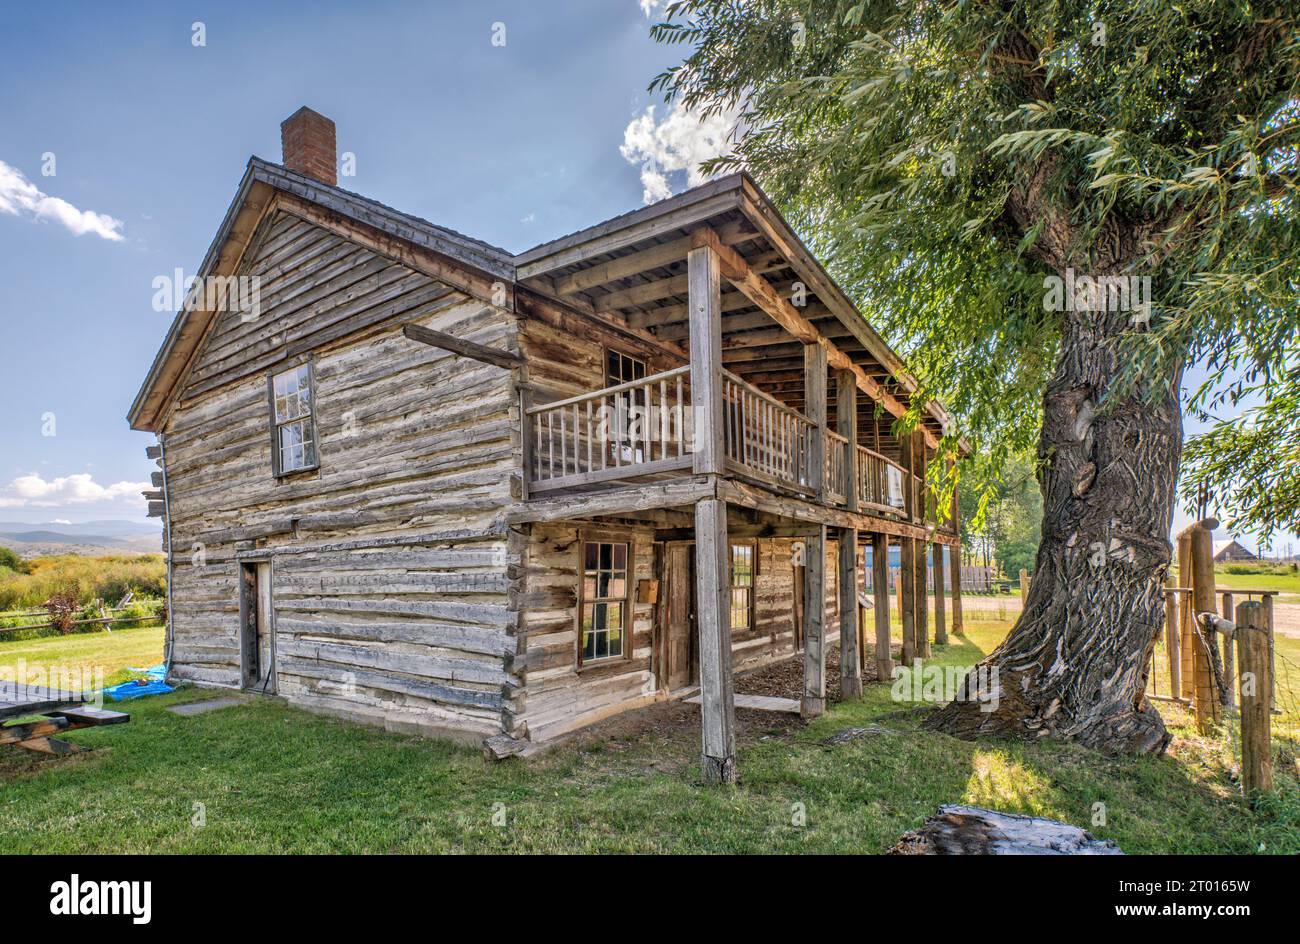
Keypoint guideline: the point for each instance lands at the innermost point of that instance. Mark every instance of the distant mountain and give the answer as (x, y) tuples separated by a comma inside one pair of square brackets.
[(90, 538)]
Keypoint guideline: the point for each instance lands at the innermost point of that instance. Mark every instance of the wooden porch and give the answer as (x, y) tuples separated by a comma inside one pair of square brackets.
[(767, 406)]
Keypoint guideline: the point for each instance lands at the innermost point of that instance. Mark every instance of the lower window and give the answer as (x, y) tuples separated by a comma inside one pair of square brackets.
[(742, 586), (604, 600)]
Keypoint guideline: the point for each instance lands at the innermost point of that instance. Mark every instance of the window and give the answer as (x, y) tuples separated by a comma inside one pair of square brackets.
[(621, 368), (742, 587), (604, 600), (293, 443)]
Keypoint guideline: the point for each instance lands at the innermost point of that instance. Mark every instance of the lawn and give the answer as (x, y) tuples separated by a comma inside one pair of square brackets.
[(263, 777), (1265, 577)]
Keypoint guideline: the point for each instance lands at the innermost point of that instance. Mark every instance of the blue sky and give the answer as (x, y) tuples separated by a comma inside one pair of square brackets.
[(513, 144)]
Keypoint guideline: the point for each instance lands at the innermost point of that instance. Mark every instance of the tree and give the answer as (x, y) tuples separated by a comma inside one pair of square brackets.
[(1053, 208)]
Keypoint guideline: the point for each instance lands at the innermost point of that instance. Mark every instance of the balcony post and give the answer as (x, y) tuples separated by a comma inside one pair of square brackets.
[(921, 598), (940, 627), (850, 655), (814, 625), (846, 424), (704, 291), (907, 555), (955, 561), (814, 392), (880, 587)]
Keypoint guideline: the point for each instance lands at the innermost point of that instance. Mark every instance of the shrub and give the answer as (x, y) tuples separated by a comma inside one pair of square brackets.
[(62, 607), (9, 560)]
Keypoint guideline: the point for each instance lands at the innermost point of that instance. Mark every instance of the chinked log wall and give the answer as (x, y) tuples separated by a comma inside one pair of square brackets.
[(394, 576)]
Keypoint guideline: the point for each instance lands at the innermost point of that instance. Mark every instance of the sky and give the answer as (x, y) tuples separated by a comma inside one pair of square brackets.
[(125, 129)]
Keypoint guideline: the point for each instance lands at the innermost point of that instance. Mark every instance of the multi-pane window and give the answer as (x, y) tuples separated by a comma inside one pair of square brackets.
[(620, 369), (742, 586), (295, 428), (604, 600)]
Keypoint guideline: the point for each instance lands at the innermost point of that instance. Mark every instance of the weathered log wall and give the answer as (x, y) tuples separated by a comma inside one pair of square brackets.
[(393, 589)]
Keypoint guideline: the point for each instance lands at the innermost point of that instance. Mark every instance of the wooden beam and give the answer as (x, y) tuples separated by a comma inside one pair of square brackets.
[(880, 590), (713, 618), (814, 385), (940, 629), (1206, 703), (706, 359), (850, 657), (470, 349), (813, 702), (760, 291), (846, 424)]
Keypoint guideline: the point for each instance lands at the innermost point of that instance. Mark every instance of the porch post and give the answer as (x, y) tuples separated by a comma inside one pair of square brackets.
[(712, 550), (814, 391), (907, 555), (921, 597), (940, 630), (954, 562), (713, 611), (880, 587), (704, 291), (814, 624), (846, 424), (850, 658)]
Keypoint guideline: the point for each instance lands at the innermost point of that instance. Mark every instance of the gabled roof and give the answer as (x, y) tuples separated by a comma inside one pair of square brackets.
[(733, 206)]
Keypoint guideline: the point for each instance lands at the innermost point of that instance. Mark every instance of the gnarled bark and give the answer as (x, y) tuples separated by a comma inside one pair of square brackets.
[(1073, 667)]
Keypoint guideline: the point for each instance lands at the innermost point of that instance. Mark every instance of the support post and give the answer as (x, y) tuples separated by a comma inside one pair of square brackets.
[(814, 386), (1186, 645), (713, 617), (907, 598), (954, 561), (921, 599), (1256, 683), (1267, 600), (940, 630), (880, 587), (846, 424), (850, 658), (1203, 601), (705, 294), (1229, 660), (1173, 640), (1024, 588), (814, 625)]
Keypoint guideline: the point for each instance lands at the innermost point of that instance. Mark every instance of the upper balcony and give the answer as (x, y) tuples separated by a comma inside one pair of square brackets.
[(759, 368), (646, 430)]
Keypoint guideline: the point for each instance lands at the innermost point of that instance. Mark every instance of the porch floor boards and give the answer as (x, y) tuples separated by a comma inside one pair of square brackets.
[(789, 706)]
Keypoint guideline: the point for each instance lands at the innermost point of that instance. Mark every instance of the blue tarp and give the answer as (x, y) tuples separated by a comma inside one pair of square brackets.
[(151, 684)]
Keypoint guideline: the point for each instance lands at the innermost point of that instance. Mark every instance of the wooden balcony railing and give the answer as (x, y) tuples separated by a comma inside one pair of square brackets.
[(645, 428), (764, 438), (638, 428), (880, 482)]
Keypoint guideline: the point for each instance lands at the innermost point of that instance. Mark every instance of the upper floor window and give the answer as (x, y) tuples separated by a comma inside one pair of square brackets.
[(604, 600), (621, 368), (293, 444)]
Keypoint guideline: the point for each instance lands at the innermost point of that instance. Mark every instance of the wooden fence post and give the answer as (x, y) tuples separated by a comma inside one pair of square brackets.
[(1229, 676), (1267, 600), (1186, 642), (1256, 682), (1024, 588), (1172, 640), (1203, 601)]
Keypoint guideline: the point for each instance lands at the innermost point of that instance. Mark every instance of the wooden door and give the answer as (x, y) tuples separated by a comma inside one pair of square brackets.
[(256, 645), (679, 617)]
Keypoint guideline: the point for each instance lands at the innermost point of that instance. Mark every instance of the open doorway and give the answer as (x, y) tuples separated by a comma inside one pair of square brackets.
[(256, 628)]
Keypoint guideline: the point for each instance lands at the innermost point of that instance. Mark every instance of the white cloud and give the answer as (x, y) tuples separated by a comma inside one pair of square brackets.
[(33, 491), (648, 7), (681, 141), (19, 195)]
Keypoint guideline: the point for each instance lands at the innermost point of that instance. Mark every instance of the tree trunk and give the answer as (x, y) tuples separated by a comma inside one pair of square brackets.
[(1074, 666)]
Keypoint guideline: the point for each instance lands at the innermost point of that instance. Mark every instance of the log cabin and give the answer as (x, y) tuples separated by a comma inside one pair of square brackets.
[(433, 485)]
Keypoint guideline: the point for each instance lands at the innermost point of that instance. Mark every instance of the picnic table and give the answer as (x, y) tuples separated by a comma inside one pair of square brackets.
[(56, 712)]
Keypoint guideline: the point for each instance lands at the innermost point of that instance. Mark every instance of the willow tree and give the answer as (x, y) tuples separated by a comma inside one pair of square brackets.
[(986, 177)]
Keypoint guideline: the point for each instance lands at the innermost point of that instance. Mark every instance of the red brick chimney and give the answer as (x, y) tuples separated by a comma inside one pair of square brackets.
[(307, 140)]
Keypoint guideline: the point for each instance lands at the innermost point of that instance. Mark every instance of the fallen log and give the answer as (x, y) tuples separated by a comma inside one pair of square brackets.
[(971, 830)]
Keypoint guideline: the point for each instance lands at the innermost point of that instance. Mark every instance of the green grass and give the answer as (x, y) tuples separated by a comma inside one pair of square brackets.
[(1286, 582), (271, 778), (84, 653)]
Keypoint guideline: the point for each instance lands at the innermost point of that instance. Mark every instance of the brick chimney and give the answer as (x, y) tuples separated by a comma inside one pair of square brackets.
[(307, 140)]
